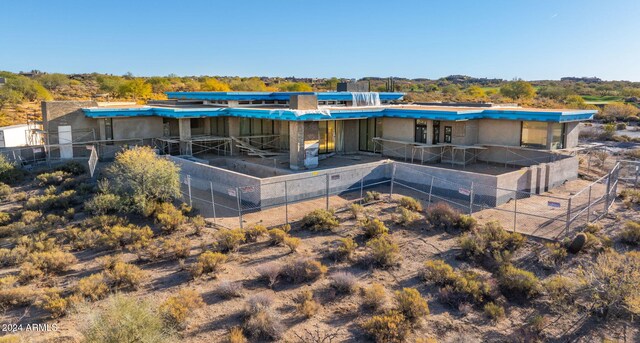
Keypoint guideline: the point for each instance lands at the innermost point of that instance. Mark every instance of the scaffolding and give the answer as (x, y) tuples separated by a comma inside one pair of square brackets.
[(193, 146)]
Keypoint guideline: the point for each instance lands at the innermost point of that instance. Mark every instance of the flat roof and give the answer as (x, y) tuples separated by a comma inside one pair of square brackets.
[(281, 96)]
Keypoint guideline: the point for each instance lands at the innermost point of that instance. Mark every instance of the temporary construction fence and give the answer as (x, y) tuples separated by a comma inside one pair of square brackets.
[(548, 216)]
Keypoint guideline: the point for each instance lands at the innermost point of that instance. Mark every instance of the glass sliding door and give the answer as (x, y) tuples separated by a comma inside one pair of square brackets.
[(557, 135), (327, 132), (369, 129), (534, 135), (421, 131)]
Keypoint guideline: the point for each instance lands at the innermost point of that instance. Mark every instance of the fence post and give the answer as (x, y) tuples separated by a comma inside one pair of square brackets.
[(327, 181), (606, 203), (239, 208), (213, 202), (362, 189), (393, 177), (589, 206), (189, 185), (471, 199), (515, 210), (430, 189), (635, 182), (286, 203), (568, 217)]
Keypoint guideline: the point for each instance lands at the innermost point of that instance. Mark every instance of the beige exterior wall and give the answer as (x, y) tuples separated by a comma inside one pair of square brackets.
[(137, 127), (402, 129), (502, 132)]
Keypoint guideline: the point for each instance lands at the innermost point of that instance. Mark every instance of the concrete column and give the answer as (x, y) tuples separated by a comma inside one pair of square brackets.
[(207, 126), (102, 129), (429, 131), (304, 142), (184, 128), (549, 136), (234, 131)]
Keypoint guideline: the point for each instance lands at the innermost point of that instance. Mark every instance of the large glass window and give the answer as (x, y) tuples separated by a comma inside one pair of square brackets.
[(557, 136), (421, 131), (534, 134), (369, 129), (327, 131)]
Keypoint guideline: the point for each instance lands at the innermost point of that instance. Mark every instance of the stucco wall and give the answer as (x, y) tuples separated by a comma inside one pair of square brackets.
[(572, 131), (401, 129), (137, 127), (502, 132), (68, 113)]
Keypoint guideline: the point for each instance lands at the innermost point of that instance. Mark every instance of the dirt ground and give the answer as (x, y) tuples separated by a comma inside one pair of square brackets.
[(341, 315)]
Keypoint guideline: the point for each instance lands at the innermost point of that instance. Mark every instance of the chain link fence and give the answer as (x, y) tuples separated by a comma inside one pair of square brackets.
[(549, 216)]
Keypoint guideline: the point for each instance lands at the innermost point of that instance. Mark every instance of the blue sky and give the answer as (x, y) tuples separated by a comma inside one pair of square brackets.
[(539, 39)]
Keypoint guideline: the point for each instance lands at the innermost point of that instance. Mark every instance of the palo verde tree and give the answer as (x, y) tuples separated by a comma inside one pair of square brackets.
[(518, 90), (142, 178)]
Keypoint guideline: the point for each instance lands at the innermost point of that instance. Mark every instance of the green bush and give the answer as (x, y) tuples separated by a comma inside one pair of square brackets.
[(5, 191), (292, 243), (561, 290), (356, 210), (122, 275), (320, 220), (51, 262), (405, 217), (371, 196), (373, 228), (5, 218), (457, 287), (345, 248), (441, 216), (104, 203), (491, 243), (128, 236), (631, 233), (374, 296), (72, 167), (277, 236), (126, 319), (143, 178), (45, 202), (516, 282), (9, 172), (411, 204), (93, 287), (391, 327), (383, 251), (253, 233)]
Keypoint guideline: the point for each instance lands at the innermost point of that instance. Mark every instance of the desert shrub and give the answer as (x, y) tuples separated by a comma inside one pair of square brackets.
[(561, 290), (53, 303), (30, 217), (292, 243), (491, 243), (383, 252), (45, 263), (122, 275), (72, 167), (405, 217), (166, 248), (305, 269), (236, 335), (391, 327), (307, 306), (126, 319), (17, 296), (441, 216), (229, 289), (356, 210), (320, 220), (410, 204), (230, 239), (465, 222), (198, 223), (494, 311), (169, 217), (630, 196), (5, 190), (208, 262), (410, 303), (260, 320), (612, 283), (93, 287), (19, 196), (46, 202), (103, 222), (371, 196), (516, 282), (374, 296), (143, 178), (176, 309), (373, 228), (10, 173), (277, 236), (5, 218), (345, 248), (457, 287), (269, 272), (552, 254), (253, 233), (82, 239), (104, 203), (343, 282), (52, 178), (126, 236), (631, 233)]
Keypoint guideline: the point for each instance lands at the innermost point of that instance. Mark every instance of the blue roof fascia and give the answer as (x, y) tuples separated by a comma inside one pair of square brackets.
[(298, 115)]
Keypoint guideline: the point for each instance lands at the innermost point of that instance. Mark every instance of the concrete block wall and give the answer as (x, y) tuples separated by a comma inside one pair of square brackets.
[(67, 113)]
